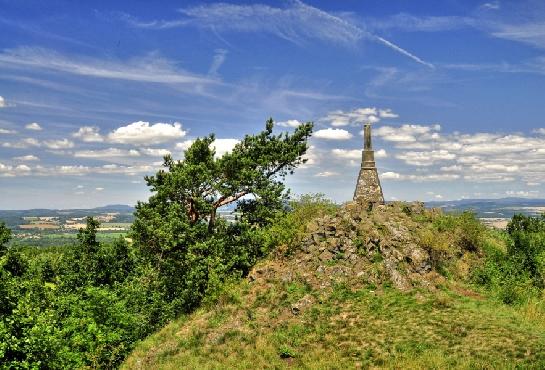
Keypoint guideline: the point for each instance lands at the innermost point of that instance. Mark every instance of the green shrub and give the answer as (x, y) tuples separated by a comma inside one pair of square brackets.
[(288, 228), (518, 273)]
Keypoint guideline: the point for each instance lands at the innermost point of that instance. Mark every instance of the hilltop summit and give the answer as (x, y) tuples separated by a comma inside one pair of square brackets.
[(382, 286)]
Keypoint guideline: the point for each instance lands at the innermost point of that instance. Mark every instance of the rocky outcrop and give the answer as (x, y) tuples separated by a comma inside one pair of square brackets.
[(362, 245)]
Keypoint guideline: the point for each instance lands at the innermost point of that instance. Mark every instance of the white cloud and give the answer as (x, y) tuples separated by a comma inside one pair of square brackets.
[(494, 168), (326, 174), (419, 178), (407, 133), (23, 144), (22, 168), (493, 5), (426, 158), (27, 158), (311, 157), (453, 168), (391, 175), (184, 145), (155, 152), (289, 123), (106, 153), (6, 131), (356, 153), (540, 131), (531, 32), (333, 134), (152, 68), (223, 146), (522, 193), (218, 60), (143, 133), (59, 144), (297, 22), (3, 103), (99, 189), (35, 126), (381, 153), (347, 154), (357, 116), (387, 113), (88, 134)]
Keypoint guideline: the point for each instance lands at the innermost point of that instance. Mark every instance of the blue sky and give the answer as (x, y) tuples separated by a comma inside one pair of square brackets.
[(92, 94)]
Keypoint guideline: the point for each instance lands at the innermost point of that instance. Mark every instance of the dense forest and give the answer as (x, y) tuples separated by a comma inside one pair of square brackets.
[(88, 305)]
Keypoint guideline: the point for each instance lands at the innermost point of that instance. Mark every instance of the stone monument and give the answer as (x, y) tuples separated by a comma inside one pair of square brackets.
[(368, 189)]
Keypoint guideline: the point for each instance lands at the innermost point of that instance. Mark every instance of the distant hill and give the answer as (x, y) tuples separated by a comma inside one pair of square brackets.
[(114, 208), (493, 208), (13, 218)]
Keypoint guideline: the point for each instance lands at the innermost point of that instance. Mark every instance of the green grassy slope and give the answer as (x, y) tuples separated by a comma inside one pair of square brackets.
[(318, 310), (256, 328)]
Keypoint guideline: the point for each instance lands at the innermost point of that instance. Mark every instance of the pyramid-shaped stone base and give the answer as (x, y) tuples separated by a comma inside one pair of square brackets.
[(368, 189)]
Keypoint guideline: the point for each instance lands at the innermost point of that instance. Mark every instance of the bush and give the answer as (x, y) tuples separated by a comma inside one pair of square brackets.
[(449, 237), (288, 228), (518, 273)]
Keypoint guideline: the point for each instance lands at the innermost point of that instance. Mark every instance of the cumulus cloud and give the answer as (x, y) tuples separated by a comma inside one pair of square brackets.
[(3, 103), (106, 153), (356, 153), (387, 113), (381, 153), (88, 134), (143, 133), (419, 177), (6, 131), (223, 146), (453, 168), (391, 175), (326, 174), (333, 134), (13, 171), (184, 145), (522, 193), (23, 144), (426, 158), (58, 144), (347, 154), (155, 152), (289, 123), (479, 157), (27, 158), (357, 116), (407, 133), (34, 126)]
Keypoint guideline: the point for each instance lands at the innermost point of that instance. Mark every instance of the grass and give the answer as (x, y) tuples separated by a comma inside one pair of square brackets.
[(295, 316), (347, 328)]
